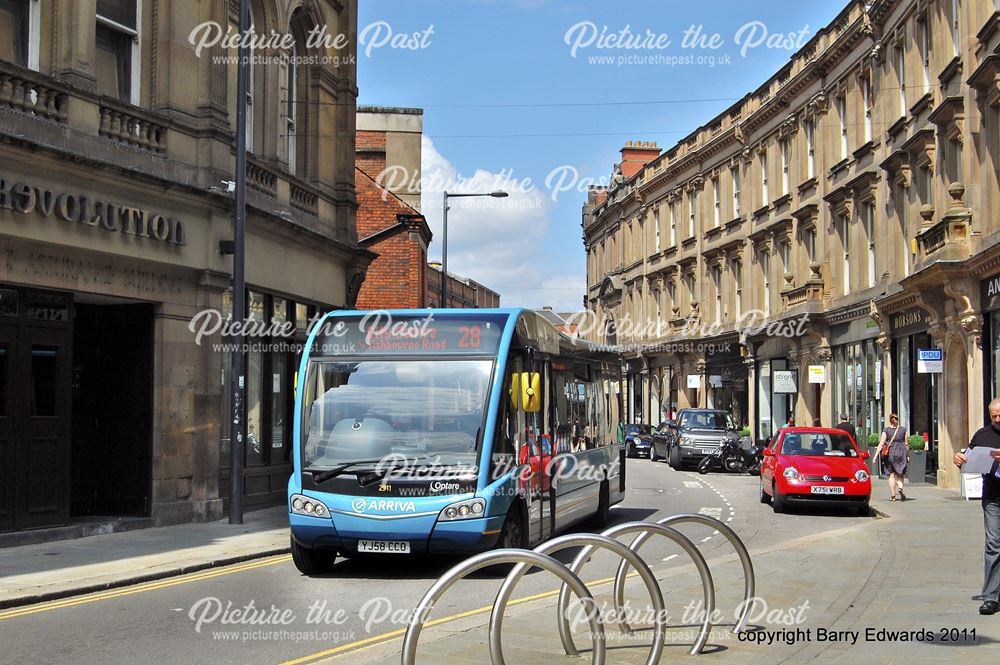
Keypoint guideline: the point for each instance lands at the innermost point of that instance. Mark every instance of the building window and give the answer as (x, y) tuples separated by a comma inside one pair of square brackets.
[(900, 197), (116, 64), (811, 245), (735, 172), (842, 117), (901, 78), (784, 166), (765, 266), (15, 30), (673, 225), (845, 228), (925, 184), (738, 284), (656, 227), (870, 230), (291, 111), (691, 214), (866, 93), (717, 282), (810, 150), (786, 257), (925, 52), (656, 300), (716, 202), (672, 294), (765, 198), (956, 32)]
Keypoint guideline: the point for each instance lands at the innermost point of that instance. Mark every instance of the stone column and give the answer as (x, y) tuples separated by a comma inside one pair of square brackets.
[(76, 44), (953, 403), (751, 365)]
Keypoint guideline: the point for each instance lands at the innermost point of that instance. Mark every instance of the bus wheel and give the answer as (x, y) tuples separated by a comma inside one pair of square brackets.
[(312, 562), (512, 533)]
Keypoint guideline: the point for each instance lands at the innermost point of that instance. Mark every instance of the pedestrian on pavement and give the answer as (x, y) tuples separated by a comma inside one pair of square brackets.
[(791, 421), (846, 425), (989, 437), (894, 439), (817, 422)]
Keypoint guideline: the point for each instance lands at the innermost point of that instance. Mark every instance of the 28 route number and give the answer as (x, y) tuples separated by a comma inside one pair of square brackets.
[(471, 337)]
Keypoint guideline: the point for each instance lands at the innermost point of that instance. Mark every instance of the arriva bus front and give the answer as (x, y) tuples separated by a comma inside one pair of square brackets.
[(446, 431)]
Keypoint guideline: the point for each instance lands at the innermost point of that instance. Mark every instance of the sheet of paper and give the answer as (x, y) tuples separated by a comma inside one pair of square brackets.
[(979, 460)]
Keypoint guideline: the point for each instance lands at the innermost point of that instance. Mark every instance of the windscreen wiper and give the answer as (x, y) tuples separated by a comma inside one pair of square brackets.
[(323, 476)]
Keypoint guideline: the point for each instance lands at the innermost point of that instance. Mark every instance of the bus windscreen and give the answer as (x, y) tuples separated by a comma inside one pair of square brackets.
[(385, 333)]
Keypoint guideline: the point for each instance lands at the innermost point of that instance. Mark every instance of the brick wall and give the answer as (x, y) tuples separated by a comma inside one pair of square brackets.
[(396, 278)]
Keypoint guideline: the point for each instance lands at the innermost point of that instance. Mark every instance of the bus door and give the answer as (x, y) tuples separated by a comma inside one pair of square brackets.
[(532, 445)]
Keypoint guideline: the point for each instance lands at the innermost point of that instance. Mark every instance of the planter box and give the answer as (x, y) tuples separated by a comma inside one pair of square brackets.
[(916, 469), (872, 462)]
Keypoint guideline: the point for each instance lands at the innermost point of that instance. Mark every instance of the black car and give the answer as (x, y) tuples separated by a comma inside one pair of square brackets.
[(695, 434), (638, 440)]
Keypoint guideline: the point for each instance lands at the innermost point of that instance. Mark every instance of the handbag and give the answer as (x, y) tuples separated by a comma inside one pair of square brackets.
[(888, 442)]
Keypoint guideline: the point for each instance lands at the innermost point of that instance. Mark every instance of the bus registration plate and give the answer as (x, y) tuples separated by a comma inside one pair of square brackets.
[(384, 546)]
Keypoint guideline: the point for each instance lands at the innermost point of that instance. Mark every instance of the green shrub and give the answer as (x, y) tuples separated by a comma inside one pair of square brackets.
[(873, 439), (916, 441), (745, 431)]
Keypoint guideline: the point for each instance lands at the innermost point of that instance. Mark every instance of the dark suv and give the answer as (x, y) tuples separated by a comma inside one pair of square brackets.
[(695, 434)]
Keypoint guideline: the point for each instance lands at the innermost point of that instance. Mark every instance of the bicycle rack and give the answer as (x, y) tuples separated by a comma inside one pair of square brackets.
[(571, 582), (741, 550), (645, 530), (485, 559), (558, 544)]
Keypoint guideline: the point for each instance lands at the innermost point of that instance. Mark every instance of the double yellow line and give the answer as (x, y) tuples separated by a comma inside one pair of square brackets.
[(140, 588), (389, 636)]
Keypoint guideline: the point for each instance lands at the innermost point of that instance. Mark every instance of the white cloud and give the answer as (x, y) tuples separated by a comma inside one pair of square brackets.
[(497, 242)]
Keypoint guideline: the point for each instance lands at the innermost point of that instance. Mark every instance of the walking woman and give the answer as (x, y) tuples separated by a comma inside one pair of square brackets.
[(894, 454)]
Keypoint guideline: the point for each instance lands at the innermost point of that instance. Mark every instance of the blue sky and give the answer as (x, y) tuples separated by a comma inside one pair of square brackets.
[(506, 102)]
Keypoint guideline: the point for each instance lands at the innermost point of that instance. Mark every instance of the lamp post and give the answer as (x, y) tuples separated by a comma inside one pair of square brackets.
[(237, 422), (444, 240)]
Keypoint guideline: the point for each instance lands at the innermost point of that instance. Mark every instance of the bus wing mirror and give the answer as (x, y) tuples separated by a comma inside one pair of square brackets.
[(531, 391), (515, 391)]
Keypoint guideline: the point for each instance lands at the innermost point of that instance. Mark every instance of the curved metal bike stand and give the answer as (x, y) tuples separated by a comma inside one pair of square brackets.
[(591, 541), (483, 560), (645, 530), (741, 550)]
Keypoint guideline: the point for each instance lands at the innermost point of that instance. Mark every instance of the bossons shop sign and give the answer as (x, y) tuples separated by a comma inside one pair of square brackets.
[(108, 216)]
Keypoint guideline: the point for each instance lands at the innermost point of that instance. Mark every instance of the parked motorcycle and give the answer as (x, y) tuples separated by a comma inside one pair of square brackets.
[(733, 456)]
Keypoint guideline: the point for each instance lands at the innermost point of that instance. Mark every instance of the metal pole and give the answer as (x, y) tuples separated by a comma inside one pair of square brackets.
[(238, 380), (444, 254)]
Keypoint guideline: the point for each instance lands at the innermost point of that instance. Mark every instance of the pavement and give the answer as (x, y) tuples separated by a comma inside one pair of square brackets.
[(53, 570), (871, 584)]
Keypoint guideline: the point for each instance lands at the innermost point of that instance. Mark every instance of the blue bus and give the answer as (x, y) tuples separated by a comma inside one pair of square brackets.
[(448, 431)]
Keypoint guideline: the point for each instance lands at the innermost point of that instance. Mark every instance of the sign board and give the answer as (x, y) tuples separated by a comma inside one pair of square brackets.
[(817, 374), (715, 380), (784, 381), (694, 380), (930, 361)]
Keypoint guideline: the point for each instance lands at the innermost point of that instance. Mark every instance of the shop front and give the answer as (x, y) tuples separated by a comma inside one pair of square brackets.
[(857, 376), (777, 388), (990, 302), (111, 404), (915, 385), (728, 379)]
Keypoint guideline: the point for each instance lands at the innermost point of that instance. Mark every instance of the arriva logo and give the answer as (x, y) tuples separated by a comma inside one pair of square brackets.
[(361, 505)]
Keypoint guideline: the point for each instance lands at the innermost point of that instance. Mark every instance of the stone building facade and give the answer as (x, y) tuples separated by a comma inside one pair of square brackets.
[(117, 140), (811, 249)]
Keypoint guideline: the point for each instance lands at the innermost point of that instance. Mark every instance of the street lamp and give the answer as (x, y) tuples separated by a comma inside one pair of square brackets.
[(444, 240)]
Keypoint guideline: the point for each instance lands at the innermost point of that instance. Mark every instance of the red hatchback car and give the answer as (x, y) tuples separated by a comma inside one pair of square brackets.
[(814, 465)]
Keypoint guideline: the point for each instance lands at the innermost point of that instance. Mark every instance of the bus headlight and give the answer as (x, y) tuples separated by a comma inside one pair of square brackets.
[(463, 510), (303, 505)]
